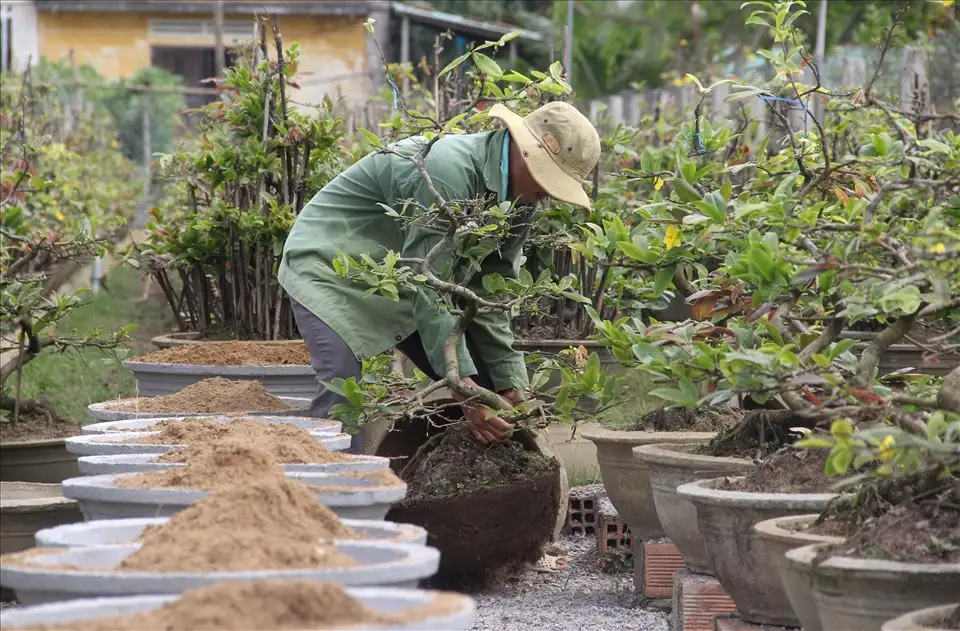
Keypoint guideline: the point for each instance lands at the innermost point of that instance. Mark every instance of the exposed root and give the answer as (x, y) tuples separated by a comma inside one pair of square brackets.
[(32, 406), (759, 433)]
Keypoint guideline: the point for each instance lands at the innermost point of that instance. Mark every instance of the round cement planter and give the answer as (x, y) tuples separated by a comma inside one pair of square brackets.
[(900, 356), (781, 536), (670, 466), (45, 578), (864, 594), (137, 463), (100, 498), (627, 480), (379, 599), (742, 559), (118, 531), (929, 619), (111, 444), (25, 509), (192, 337), (42, 461), (148, 424), (106, 411), (154, 379)]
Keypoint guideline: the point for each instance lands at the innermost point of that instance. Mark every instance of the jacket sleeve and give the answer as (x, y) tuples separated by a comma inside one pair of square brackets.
[(491, 332), (434, 322)]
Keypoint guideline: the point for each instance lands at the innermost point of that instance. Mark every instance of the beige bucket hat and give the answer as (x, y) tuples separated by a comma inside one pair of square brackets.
[(560, 146)]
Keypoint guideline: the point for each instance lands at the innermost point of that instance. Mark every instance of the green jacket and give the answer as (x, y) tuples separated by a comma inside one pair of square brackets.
[(345, 217)]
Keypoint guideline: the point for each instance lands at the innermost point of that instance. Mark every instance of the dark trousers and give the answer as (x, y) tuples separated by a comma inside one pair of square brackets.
[(331, 358)]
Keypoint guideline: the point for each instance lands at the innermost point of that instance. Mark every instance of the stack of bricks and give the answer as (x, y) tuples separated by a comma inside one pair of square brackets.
[(614, 533), (698, 602), (654, 565), (734, 623), (582, 516)]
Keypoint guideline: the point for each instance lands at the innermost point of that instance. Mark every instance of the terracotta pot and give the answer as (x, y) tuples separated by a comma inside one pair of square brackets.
[(864, 594), (742, 559), (670, 466), (929, 619), (781, 536), (43, 461), (627, 479)]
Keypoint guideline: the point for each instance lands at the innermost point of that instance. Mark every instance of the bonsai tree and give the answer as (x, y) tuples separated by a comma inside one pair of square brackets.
[(853, 220), (214, 243), (65, 191)]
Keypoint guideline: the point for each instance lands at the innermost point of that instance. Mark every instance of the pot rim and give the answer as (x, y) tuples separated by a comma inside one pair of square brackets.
[(108, 406), (219, 369), (837, 565), (674, 454), (604, 435), (917, 619), (702, 492), (36, 442), (774, 529)]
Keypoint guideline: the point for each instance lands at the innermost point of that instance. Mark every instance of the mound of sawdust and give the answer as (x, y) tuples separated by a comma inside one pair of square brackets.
[(285, 449), (232, 354), (201, 430), (278, 605), (228, 463), (210, 396)]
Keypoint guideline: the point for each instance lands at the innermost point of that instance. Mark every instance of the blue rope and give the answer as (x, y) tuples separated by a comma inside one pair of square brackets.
[(802, 105), (396, 91)]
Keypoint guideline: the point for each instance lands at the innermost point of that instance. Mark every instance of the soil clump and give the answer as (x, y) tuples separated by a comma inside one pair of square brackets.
[(232, 354), (788, 471), (210, 396), (683, 420), (228, 463), (285, 449), (200, 430), (909, 533), (270, 604)]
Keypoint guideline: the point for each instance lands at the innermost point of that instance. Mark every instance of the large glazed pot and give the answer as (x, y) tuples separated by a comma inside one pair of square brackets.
[(863, 594), (627, 480), (783, 534), (458, 617), (154, 379), (669, 467), (742, 559), (929, 619), (45, 461)]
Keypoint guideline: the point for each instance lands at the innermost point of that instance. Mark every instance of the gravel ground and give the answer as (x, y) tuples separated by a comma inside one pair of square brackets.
[(580, 598)]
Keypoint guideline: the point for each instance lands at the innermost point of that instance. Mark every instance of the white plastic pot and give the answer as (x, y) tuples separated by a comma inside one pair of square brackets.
[(148, 424), (118, 443), (136, 463), (106, 411)]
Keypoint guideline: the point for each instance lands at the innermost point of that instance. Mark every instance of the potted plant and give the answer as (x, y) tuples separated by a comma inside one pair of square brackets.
[(214, 244), (939, 618), (65, 192)]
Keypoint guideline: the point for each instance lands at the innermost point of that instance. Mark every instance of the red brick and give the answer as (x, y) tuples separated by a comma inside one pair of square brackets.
[(660, 562), (582, 516), (614, 534), (734, 623), (697, 601)]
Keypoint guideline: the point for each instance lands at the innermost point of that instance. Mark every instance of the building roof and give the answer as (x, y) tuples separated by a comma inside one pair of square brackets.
[(205, 7), (427, 15)]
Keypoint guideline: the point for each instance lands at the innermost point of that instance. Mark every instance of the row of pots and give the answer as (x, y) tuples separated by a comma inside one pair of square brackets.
[(748, 541), (390, 556)]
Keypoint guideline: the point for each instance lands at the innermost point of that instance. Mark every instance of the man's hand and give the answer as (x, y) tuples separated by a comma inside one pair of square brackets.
[(514, 396), (486, 426)]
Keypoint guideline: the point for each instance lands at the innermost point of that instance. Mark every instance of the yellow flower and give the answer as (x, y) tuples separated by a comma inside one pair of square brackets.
[(58, 215), (948, 3), (677, 82), (672, 238), (683, 42), (657, 183), (939, 248), (886, 448)]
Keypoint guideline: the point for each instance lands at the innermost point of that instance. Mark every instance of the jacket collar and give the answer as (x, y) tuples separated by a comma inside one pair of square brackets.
[(491, 164)]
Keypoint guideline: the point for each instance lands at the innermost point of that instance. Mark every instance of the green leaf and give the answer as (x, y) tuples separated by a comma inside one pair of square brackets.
[(663, 278), (633, 251), (841, 347), (761, 262), (840, 461), (841, 429), (487, 66), (370, 137), (814, 442), (648, 162), (773, 331), (453, 64), (674, 395), (515, 77)]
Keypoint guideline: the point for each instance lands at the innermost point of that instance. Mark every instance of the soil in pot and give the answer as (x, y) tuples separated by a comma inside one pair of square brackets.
[(284, 448), (32, 448), (36, 426), (222, 464), (232, 354), (489, 509), (757, 434), (278, 605), (201, 430), (215, 395), (787, 471)]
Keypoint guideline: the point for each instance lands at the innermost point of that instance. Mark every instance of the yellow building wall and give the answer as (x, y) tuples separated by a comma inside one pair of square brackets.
[(332, 58)]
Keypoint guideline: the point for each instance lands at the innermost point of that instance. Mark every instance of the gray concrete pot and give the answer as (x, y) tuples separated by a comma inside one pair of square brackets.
[(27, 508), (147, 424), (781, 537), (863, 594), (743, 561), (106, 411), (100, 498), (111, 444), (136, 463), (44, 461), (118, 531), (670, 466), (929, 619), (46, 578), (627, 479), (380, 599), (154, 379)]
